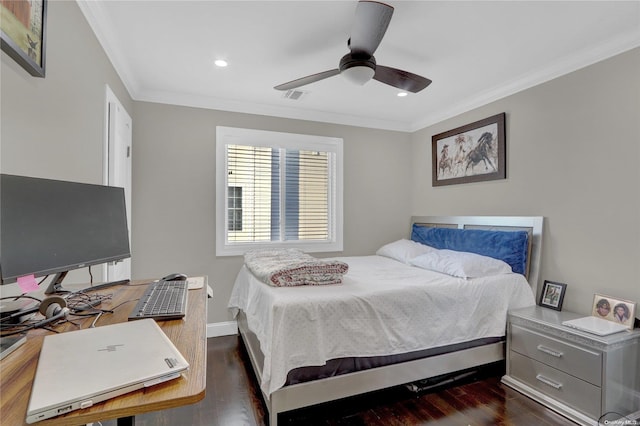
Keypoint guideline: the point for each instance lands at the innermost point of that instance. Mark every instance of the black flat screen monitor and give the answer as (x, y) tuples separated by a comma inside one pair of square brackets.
[(52, 226)]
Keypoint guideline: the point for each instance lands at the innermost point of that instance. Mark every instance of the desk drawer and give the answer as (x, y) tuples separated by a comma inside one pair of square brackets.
[(580, 395), (580, 362)]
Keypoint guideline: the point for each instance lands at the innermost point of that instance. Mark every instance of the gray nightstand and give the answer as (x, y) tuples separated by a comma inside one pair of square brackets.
[(580, 375)]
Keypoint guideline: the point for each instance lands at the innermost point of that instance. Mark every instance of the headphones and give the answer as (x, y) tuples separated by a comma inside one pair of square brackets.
[(53, 308)]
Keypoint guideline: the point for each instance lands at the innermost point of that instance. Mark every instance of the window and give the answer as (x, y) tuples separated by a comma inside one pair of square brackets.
[(234, 208), (277, 189)]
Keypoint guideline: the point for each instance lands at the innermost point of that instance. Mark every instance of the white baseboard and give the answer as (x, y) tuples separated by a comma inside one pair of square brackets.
[(226, 328)]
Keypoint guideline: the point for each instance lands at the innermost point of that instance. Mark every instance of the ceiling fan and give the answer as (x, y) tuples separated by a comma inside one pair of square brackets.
[(359, 65)]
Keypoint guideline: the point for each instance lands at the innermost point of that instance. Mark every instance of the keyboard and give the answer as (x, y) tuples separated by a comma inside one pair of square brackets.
[(162, 300)]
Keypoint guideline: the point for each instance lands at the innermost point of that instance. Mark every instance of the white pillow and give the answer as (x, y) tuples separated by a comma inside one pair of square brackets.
[(460, 264), (403, 250)]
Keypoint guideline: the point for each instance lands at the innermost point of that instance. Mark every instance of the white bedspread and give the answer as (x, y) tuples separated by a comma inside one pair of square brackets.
[(383, 307)]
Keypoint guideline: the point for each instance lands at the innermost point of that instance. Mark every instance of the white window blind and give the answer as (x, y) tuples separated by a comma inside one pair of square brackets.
[(280, 190)]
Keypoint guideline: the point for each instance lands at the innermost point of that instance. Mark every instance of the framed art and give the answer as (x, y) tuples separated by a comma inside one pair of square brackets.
[(23, 33), (471, 153), (552, 295), (612, 309)]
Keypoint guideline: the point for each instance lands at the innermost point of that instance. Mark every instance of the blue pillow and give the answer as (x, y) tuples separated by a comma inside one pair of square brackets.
[(508, 246)]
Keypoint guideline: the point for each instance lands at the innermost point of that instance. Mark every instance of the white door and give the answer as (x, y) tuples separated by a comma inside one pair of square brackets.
[(118, 169)]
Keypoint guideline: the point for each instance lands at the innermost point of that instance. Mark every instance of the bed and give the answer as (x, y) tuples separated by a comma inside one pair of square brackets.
[(313, 344)]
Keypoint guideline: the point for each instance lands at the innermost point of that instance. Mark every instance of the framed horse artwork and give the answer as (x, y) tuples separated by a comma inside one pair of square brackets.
[(471, 153)]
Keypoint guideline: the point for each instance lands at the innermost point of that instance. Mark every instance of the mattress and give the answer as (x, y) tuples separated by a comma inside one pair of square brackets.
[(382, 308), (336, 367)]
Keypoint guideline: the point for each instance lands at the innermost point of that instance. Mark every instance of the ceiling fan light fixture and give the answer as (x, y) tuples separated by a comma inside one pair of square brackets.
[(359, 65), (359, 74)]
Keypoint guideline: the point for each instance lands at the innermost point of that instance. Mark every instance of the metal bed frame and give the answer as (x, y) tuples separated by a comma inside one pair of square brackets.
[(329, 389)]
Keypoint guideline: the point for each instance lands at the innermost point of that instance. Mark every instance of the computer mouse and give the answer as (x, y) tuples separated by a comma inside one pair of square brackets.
[(175, 277)]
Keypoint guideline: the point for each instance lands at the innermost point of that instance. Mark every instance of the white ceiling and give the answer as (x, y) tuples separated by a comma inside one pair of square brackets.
[(474, 51)]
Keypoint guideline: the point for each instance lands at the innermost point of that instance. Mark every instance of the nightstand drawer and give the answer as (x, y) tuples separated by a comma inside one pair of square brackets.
[(579, 362), (580, 395)]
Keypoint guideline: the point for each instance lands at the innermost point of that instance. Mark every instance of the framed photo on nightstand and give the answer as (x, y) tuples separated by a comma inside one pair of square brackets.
[(552, 295), (615, 310)]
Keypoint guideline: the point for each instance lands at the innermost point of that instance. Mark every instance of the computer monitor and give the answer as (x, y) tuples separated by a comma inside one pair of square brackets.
[(52, 227)]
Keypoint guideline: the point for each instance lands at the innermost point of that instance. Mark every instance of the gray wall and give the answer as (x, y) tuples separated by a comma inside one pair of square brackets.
[(573, 153), (174, 164), (573, 156), (53, 127)]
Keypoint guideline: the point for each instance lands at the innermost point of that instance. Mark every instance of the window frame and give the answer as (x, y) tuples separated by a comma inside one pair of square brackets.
[(238, 136)]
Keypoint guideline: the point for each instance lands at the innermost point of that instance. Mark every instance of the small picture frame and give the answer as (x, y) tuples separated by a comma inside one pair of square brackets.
[(614, 310), (552, 295), (23, 33)]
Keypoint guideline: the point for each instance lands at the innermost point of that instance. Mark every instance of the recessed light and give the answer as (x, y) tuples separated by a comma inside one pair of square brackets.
[(221, 63), (402, 94)]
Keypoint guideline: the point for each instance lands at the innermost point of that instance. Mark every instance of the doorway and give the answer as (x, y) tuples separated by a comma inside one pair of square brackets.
[(117, 169)]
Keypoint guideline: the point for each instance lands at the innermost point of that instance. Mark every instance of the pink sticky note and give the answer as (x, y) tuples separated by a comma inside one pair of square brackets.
[(28, 283)]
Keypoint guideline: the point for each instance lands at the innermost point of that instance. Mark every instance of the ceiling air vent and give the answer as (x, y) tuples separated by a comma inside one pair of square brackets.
[(294, 94)]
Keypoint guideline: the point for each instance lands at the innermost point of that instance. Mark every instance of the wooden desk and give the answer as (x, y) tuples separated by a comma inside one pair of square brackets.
[(189, 335)]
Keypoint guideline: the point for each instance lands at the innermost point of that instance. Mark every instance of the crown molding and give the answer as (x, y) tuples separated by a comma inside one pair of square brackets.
[(208, 102), (564, 66), (96, 16)]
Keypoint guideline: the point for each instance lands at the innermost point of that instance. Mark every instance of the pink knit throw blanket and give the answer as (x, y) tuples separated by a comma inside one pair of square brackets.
[(293, 267)]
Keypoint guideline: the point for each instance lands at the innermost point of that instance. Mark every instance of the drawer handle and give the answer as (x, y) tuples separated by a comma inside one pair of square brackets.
[(550, 351), (549, 382)]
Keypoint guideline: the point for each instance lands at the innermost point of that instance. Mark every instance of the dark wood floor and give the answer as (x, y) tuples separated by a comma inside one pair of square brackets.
[(233, 398)]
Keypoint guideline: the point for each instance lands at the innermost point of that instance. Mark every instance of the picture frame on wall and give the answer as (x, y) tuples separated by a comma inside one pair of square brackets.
[(552, 295), (23, 33), (472, 153), (615, 310)]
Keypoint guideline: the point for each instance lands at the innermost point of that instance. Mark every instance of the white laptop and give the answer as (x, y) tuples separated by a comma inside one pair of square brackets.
[(80, 368), (595, 325)]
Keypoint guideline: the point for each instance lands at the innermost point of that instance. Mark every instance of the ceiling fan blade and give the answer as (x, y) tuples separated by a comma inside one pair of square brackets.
[(370, 24), (307, 80), (403, 80)]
